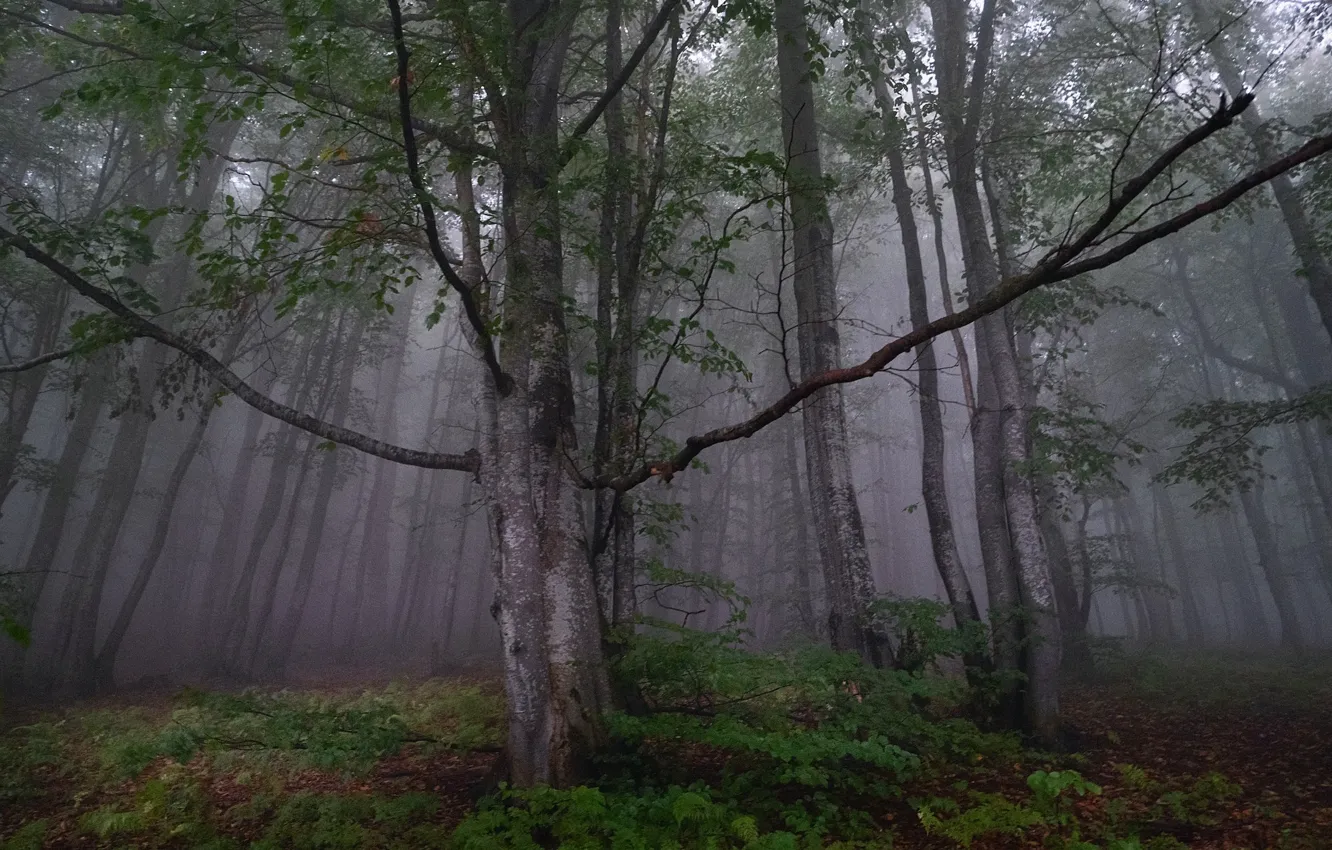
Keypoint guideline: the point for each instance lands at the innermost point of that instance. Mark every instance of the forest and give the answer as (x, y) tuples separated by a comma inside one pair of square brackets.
[(635, 424)]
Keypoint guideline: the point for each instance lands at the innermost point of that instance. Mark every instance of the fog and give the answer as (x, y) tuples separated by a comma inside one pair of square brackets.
[(157, 528)]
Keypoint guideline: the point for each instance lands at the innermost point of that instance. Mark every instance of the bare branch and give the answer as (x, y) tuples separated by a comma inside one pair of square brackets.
[(141, 327), (1057, 266), (25, 365), (503, 383), (594, 114)]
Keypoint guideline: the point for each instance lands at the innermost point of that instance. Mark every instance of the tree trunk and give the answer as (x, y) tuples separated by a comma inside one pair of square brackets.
[(236, 615), (934, 488), (555, 675), (370, 617), (284, 639), (1270, 561), (1165, 507), (1009, 436), (55, 509), (1303, 236), (937, 219), (25, 387), (837, 521), (105, 661), (221, 563), (800, 554), (82, 600)]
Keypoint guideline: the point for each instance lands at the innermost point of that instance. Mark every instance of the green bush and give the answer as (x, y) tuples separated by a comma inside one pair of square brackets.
[(308, 821)]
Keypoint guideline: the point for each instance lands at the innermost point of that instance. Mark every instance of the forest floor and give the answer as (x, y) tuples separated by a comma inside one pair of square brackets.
[(1219, 753)]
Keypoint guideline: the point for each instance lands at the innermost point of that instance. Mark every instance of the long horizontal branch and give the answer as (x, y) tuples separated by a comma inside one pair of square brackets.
[(1051, 270), (41, 360), (139, 326)]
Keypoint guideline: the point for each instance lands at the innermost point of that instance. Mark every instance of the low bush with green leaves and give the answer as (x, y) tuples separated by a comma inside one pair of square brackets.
[(727, 747)]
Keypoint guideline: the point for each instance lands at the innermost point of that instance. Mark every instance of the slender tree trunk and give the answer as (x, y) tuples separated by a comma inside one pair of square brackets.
[(1271, 564), (339, 624), (802, 553), (1233, 555), (1303, 236), (82, 601), (934, 488), (1165, 509), (221, 563), (284, 638), (236, 615), (25, 387), (105, 661), (937, 219), (370, 617), (441, 644), (55, 509), (837, 520), (614, 449)]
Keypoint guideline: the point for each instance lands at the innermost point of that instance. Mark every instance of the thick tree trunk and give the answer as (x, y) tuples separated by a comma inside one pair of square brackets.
[(555, 675), (1011, 434), (837, 520)]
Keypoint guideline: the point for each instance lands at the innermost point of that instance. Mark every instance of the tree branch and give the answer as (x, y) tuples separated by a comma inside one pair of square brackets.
[(141, 327), (503, 383), (445, 135), (1055, 267), (25, 365), (613, 91)]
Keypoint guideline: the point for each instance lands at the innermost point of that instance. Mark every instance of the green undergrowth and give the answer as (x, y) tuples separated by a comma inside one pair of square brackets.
[(729, 749), (721, 748), (255, 770)]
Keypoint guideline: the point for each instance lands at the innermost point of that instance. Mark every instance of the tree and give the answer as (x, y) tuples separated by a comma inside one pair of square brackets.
[(531, 128)]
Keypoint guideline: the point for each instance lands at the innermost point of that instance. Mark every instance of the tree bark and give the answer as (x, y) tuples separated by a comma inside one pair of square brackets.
[(837, 520), (934, 488), (1007, 438), (555, 675), (55, 509)]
